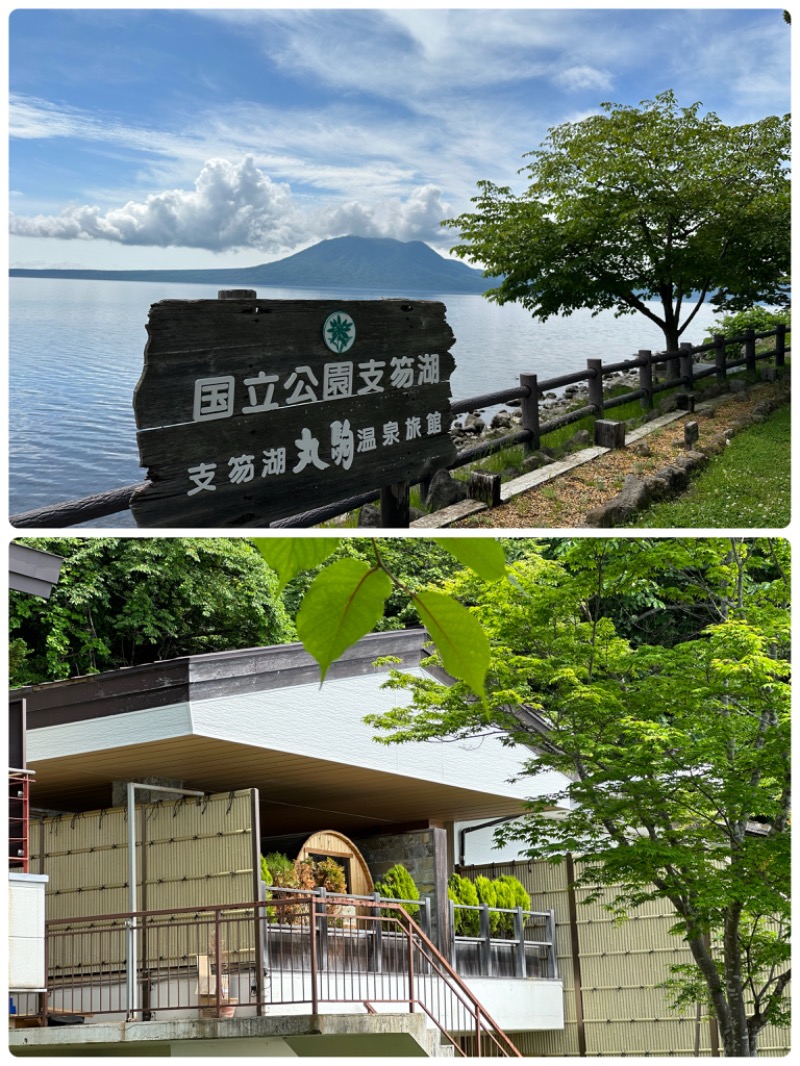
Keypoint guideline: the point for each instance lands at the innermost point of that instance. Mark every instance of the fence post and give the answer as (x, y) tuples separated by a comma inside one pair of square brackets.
[(395, 509), (312, 931), (750, 351), (451, 907), (425, 915), (411, 989), (377, 940), (552, 963), (686, 360), (595, 369), (322, 954), (520, 963), (720, 357), (780, 344), (530, 412), (646, 377), (486, 946)]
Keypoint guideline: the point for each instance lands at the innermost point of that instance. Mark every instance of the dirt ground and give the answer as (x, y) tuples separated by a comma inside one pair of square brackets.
[(566, 500)]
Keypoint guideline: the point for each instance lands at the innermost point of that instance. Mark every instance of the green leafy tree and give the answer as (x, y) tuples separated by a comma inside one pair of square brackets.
[(126, 601), (644, 204), (673, 757)]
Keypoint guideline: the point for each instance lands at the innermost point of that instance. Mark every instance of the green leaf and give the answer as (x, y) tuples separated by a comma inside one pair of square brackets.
[(481, 554), (459, 638), (288, 556), (342, 604)]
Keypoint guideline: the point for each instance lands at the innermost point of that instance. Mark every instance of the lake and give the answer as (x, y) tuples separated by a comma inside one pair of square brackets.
[(76, 352)]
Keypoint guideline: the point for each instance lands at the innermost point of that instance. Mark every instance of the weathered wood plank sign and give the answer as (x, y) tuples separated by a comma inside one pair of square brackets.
[(252, 410)]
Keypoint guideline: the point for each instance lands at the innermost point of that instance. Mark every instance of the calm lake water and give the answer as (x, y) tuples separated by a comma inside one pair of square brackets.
[(76, 352)]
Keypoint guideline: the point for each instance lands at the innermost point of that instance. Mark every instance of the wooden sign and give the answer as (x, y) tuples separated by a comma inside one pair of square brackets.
[(252, 410)]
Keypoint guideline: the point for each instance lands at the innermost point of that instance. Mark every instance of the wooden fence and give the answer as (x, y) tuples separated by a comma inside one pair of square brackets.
[(657, 373), (613, 972)]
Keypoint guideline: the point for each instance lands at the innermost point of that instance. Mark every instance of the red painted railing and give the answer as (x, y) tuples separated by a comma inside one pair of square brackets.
[(18, 819), (250, 958)]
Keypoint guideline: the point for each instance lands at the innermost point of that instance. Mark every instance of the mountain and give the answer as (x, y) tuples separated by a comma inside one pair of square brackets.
[(339, 263)]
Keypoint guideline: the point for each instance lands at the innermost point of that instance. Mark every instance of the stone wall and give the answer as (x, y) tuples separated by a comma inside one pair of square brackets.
[(423, 852)]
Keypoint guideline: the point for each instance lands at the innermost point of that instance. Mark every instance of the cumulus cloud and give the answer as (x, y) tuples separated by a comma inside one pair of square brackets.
[(237, 206), (415, 218), (231, 206)]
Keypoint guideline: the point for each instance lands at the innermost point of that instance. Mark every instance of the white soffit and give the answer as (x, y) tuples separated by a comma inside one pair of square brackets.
[(317, 722)]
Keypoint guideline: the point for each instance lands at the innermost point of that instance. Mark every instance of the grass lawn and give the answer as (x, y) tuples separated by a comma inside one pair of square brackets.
[(747, 486)]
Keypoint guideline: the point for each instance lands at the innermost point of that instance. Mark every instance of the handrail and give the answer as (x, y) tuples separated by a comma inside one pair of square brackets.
[(485, 1025), (426, 980), (102, 504)]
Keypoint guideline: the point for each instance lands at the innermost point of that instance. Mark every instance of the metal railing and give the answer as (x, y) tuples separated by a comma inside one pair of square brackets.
[(503, 942), (295, 949), (19, 819), (681, 371)]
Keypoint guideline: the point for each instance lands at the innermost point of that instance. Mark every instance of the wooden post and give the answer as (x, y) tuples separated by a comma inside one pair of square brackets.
[(646, 377), (780, 345), (395, 506), (750, 351), (686, 359), (530, 412), (236, 294), (484, 487), (720, 357), (595, 368)]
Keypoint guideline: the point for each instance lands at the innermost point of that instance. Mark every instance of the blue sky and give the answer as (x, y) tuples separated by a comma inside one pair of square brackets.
[(200, 138)]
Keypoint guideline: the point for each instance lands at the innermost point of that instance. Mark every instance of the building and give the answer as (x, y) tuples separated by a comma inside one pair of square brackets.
[(174, 777)]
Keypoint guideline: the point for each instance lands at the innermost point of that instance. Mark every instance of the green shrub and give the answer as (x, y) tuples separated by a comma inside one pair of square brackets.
[(280, 870), (330, 875), (504, 895), (519, 895), (462, 890), (757, 318), (399, 884), (487, 893)]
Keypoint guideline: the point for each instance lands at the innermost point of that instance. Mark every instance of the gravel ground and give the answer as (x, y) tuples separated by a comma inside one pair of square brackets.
[(563, 502)]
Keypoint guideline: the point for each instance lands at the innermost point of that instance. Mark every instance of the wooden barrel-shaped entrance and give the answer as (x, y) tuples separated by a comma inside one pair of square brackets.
[(326, 844)]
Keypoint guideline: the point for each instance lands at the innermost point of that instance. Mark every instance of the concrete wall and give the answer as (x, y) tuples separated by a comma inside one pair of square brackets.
[(26, 893)]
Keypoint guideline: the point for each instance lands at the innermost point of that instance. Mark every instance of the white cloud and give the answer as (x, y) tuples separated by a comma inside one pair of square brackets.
[(231, 206), (416, 218), (583, 77), (237, 206)]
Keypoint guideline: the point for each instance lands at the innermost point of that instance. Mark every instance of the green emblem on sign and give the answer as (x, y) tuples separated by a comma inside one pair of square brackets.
[(339, 332)]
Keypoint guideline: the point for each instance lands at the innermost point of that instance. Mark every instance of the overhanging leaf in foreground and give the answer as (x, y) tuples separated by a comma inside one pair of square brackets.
[(343, 603)]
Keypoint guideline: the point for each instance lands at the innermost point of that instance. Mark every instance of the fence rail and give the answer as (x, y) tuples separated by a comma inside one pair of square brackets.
[(503, 942), (681, 371), (292, 949)]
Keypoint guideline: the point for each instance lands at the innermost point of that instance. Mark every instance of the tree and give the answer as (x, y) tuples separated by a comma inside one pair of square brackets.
[(125, 601), (641, 204), (674, 757)]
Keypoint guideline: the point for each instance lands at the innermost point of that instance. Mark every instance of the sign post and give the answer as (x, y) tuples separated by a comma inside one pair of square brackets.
[(252, 410)]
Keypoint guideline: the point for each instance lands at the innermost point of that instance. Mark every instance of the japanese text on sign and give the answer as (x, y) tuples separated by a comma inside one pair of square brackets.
[(215, 397)]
